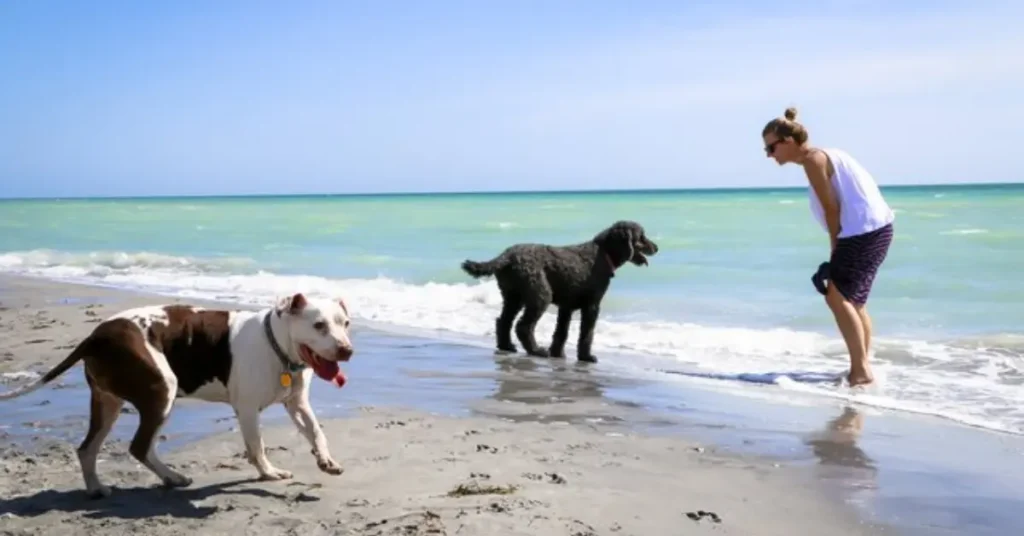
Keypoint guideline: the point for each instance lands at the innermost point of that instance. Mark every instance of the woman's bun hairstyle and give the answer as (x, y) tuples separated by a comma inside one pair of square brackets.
[(787, 127)]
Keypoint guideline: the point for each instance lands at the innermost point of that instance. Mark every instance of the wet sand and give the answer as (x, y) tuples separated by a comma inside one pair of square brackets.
[(568, 461)]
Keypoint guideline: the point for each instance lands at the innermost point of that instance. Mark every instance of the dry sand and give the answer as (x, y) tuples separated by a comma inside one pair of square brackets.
[(406, 472)]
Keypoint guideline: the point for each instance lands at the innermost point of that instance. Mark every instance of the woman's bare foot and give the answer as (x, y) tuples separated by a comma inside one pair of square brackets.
[(860, 378)]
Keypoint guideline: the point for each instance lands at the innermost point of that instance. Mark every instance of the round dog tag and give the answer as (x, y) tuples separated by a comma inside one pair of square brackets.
[(286, 380)]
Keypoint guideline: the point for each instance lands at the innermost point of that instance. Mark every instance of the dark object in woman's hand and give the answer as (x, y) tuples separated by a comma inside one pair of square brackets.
[(820, 278)]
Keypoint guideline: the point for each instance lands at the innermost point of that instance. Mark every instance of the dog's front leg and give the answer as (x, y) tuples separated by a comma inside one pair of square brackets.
[(301, 413), (588, 319), (249, 423), (557, 348)]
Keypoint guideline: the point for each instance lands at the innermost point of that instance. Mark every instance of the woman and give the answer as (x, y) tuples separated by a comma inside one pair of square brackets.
[(847, 203)]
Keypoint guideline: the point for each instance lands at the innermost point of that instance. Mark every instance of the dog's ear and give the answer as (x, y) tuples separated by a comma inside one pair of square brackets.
[(630, 240), (292, 304), (341, 302), (618, 240)]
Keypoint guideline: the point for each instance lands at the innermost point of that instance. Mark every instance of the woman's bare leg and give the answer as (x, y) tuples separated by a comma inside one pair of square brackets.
[(865, 320), (848, 319)]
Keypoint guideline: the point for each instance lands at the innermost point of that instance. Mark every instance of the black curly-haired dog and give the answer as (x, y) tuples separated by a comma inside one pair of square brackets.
[(533, 276)]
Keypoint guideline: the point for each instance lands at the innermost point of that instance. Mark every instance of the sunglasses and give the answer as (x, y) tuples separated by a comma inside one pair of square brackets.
[(770, 148)]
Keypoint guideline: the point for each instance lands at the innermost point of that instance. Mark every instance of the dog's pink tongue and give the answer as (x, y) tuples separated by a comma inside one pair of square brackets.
[(330, 371)]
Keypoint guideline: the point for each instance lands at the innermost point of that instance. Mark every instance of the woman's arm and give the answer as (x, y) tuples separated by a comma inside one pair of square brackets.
[(816, 167)]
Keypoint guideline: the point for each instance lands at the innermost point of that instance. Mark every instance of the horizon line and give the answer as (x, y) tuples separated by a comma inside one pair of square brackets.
[(469, 193)]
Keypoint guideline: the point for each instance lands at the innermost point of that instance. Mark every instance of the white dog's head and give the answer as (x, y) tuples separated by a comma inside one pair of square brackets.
[(318, 330)]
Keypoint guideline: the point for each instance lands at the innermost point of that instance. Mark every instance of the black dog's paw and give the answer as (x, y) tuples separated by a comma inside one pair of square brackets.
[(556, 352), (506, 350), (540, 352), (587, 358)]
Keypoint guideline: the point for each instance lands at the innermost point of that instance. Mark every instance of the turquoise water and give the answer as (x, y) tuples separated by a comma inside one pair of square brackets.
[(728, 299)]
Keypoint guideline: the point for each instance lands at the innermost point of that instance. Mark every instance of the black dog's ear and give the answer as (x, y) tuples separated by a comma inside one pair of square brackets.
[(617, 239), (630, 239)]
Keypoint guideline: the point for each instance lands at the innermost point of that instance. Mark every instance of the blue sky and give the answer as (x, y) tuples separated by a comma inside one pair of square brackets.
[(233, 97)]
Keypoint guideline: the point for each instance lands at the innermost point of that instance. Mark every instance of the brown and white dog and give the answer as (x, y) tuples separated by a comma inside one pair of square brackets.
[(149, 356)]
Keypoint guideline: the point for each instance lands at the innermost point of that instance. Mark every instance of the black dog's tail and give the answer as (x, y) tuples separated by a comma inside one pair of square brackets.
[(481, 269)]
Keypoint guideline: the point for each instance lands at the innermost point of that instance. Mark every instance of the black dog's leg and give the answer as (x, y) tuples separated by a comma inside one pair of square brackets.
[(525, 327), (588, 319), (503, 324), (561, 331)]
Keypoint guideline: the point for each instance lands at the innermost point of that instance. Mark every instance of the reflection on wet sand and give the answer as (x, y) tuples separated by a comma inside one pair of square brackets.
[(545, 390), (837, 443), (839, 456), (543, 382)]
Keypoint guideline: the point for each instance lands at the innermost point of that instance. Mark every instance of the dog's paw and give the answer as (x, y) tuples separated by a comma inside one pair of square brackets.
[(177, 481), (330, 466), (587, 358), (556, 352), (275, 474), (99, 492), (506, 350), (539, 352)]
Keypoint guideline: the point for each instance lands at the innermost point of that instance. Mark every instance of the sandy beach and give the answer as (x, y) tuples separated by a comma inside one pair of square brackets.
[(407, 471)]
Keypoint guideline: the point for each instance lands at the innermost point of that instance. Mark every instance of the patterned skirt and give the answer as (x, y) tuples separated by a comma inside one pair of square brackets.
[(854, 263)]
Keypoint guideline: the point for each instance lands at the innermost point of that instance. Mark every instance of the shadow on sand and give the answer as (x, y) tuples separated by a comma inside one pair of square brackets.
[(131, 503)]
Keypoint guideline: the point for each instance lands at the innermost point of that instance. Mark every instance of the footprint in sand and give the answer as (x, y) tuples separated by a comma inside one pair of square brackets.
[(553, 478), (412, 524), (580, 528), (701, 514), (389, 424), (556, 478)]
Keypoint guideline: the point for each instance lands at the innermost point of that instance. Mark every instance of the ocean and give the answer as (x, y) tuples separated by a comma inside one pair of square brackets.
[(727, 302)]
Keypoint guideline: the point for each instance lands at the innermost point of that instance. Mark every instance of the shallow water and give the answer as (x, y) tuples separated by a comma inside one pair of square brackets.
[(728, 298)]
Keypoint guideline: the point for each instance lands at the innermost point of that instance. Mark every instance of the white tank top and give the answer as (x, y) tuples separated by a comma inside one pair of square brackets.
[(862, 208)]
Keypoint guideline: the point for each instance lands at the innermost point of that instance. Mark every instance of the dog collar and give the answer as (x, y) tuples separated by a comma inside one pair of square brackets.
[(289, 365)]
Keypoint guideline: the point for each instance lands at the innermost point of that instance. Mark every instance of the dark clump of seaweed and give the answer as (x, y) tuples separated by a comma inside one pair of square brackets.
[(474, 488)]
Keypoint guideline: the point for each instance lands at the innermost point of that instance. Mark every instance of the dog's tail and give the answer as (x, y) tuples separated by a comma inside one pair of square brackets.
[(481, 269), (75, 356)]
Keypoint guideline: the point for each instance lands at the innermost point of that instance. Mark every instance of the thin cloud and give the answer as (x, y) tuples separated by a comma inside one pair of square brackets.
[(770, 60)]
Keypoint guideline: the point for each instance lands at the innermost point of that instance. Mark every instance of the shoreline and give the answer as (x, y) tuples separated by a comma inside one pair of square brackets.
[(563, 467), (862, 471)]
